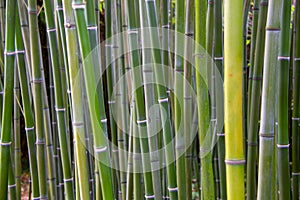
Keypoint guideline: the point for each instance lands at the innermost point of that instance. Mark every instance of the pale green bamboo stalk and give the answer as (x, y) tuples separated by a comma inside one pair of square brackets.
[(267, 168)]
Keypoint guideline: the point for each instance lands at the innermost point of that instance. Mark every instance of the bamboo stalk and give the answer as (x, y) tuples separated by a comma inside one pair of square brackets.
[(254, 108), (8, 97), (296, 107), (233, 63), (266, 168), (27, 112), (99, 129), (283, 102)]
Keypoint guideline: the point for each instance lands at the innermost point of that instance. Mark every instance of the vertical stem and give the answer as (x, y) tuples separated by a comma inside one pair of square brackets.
[(233, 83)]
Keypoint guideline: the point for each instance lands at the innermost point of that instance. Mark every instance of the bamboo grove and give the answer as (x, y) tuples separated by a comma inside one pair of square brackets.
[(150, 99)]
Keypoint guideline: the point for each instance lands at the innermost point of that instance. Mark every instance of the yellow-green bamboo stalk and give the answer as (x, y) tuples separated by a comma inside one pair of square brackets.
[(233, 82)]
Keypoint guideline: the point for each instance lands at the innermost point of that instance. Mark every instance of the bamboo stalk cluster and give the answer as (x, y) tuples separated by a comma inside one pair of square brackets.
[(153, 99)]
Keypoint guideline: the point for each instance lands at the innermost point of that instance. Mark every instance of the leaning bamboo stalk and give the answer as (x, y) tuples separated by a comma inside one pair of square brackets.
[(283, 102), (233, 63), (266, 168), (8, 97), (99, 129), (296, 107), (254, 108), (27, 112), (61, 117)]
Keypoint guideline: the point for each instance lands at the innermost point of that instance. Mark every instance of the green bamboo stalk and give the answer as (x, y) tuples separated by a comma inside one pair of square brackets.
[(296, 107), (27, 111), (188, 52), (178, 101), (139, 95), (17, 137), (254, 108), (37, 89), (267, 169), (61, 117), (121, 99), (95, 105), (11, 178), (8, 96), (218, 60), (233, 63), (255, 14), (150, 96), (283, 102)]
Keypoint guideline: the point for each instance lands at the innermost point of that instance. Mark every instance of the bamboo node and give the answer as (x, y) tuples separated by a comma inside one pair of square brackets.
[(173, 189), (132, 31), (5, 144), (37, 80), (149, 196), (255, 78), (254, 144), (77, 124), (70, 26), (76, 6), (103, 120), (60, 109), (295, 119), (221, 134), (296, 59), (100, 149), (283, 146), (29, 128), (283, 57), (20, 52), (32, 11), (141, 121), (51, 30), (235, 162), (40, 142), (165, 26), (111, 102), (1, 92), (35, 198), (295, 173), (12, 186), (59, 8), (68, 179), (163, 100), (9, 53), (92, 27), (218, 58)]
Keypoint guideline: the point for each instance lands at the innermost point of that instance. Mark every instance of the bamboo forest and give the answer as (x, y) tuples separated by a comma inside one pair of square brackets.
[(150, 99)]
